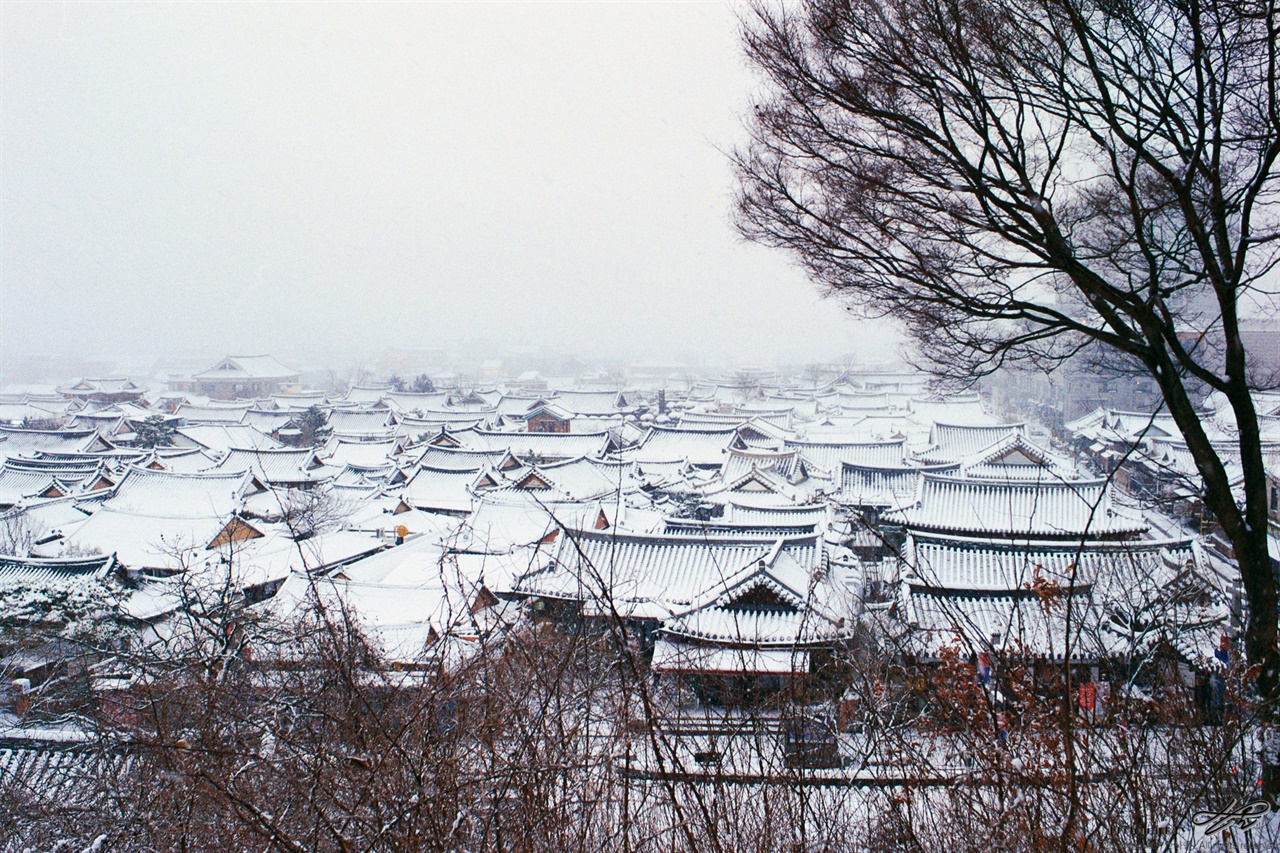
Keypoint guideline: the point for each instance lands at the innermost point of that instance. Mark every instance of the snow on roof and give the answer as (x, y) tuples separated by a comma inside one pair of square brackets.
[(1114, 425), (516, 404), (762, 627), (165, 494), (768, 526), (992, 509), (542, 445), (299, 401), (580, 479), (213, 414), (978, 621), (362, 421), (438, 490), (863, 401), (29, 442), (864, 485), (432, 421), (674, 657), (409, 401), (219, 438), (36, 570), (804, 513), (953, 442), (453, 459), (108, 385), (600, 403), (759, 488), (16, 413), (57, 515), (367, 394), (411, 606), (18, 486), (785, 464), (278, 466), (139, 541), (267, 421), (508, 518), (702, 447), (181, 460), (956, 564), (241, 367), (955, 409), (1014, 457), (545, 408), (828, 456), (418, 561), (674, 570), (362, 454), (69, 469), (272, 557)]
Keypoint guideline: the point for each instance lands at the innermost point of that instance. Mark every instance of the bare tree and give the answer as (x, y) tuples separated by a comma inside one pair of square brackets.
[(1026, 181), (18, 532)]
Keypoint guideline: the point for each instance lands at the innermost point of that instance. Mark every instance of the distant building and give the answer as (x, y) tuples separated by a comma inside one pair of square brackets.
[(114, 390), (238, 376)]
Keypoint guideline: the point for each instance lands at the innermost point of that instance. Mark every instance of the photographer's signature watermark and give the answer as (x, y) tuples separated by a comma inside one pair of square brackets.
[(1237, 814)]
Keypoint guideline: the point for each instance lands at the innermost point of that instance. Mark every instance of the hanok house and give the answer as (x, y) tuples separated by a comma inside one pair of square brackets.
[(241, 376), (772, 626), (298, 468), (547, 417), (1008, 555), (24, 481), (105, 391), (731, 617), (154, 519)]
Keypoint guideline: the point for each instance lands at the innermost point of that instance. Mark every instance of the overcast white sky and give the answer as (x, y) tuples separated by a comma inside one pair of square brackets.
[(182, 179)]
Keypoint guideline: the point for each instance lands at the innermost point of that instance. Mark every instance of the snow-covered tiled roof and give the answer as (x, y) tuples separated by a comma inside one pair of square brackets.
[(674, 570), (431, 422), (828, 456), (451, 459), (148, 492), (437, 490), (755, 627), (242, 367), (786, 464), (525, 446), (29, 442), (994, 509), (364, 454), (720, 528), (954, 442), (139, 541), (671, 656), (989, 566), (600, 403), (701, 447), (864, 485), (213, 414), (267, 421), (280, 466), (219, 438), (1015, 621), (362, 421), (35, 571), (1014, 457)]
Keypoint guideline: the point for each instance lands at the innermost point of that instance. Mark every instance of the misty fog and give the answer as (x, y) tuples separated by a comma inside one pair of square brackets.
[(327, 182)]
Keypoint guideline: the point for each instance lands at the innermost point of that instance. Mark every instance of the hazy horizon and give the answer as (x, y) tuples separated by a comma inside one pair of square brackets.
[(187, 181)]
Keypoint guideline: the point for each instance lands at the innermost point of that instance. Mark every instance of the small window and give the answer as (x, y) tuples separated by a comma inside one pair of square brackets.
[(1275, 498)]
